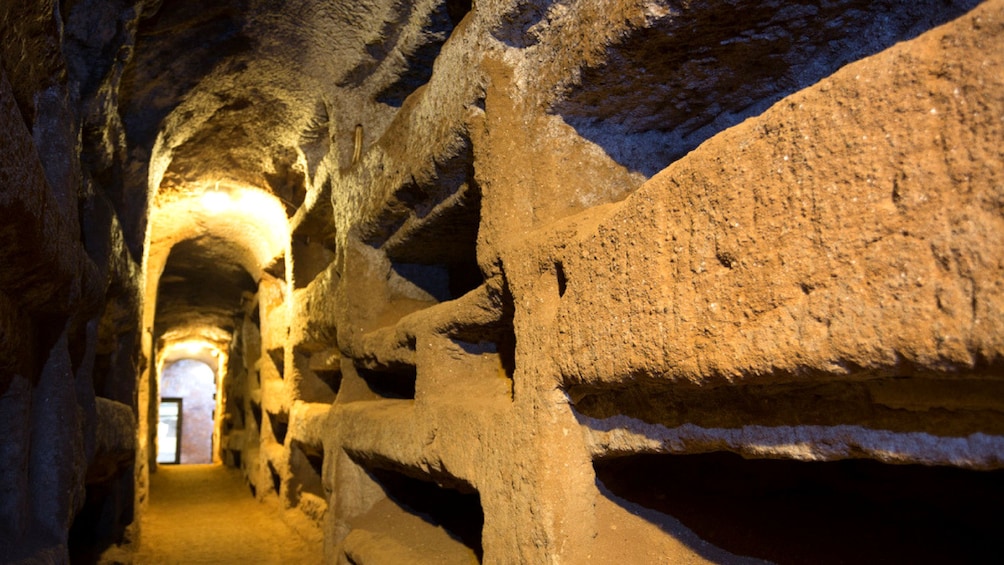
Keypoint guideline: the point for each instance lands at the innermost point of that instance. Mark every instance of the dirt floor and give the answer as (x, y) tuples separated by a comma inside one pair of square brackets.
[(206, 514)]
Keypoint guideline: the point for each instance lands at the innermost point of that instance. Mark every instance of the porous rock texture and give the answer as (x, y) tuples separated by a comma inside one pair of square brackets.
[(69, 302), (514, 281)]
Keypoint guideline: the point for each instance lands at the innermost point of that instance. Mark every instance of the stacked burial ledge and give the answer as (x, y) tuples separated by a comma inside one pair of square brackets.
[(517, 341), (518, 281)]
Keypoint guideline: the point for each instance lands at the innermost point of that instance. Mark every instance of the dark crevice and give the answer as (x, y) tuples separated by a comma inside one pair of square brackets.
[(727, 260), (938, 406), (277, 354), (331, 378), (233, 458), (280, 425), (460, 514), (256, 414), (457, 10), (288, 183), (852, 511), (507, 338), (307, 463), (434, 280), (277, 268), (464, 277), (233, 419), (276, 479), (255, 316), (391, 385), (562, 279), (316, 460)]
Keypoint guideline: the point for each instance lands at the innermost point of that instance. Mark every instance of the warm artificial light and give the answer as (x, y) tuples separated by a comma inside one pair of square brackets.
[(194, 348), (249, 217), (216, 200)]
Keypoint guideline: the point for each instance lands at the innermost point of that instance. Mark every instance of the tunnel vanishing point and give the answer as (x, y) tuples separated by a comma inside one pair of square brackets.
[(512, 281)]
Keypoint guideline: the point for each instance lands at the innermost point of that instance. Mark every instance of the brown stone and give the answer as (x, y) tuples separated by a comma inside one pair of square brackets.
[(509, 281)]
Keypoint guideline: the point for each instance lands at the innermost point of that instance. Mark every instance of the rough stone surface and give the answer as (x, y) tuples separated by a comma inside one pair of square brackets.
[(115, 440), (512, 281), (69, 298)]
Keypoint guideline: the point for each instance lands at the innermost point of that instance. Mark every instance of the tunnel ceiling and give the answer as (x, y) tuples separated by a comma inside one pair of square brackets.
[(256, 91), (211, 89), (283, 97), (256, 94), (202, 286)]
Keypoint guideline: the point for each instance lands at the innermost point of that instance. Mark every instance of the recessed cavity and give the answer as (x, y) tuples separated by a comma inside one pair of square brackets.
[(390, 384), (849, 511)]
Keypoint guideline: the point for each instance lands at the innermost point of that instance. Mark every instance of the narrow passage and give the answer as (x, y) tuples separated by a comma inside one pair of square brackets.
[(202, 514)]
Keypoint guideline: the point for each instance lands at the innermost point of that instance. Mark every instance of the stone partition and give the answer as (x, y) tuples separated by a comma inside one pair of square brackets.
[(69, 308), (513, 281), (566, 321)]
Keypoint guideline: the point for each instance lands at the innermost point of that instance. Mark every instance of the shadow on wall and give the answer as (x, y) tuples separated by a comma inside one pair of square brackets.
[(666, 89), (851, 511), (194, 384)]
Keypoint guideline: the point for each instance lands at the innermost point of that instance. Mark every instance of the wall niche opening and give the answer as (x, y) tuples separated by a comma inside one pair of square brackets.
[(458, 512), (256, 414), (399, 384), (850, 511), (279, 422), (311, 257), (276, 478), (307, 464), (319, 372)]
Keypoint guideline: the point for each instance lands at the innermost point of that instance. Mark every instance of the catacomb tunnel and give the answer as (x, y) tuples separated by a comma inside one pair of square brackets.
[(501, 281)]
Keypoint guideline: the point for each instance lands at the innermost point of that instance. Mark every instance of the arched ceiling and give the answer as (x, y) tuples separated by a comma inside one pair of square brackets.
[(251, 97), (258, 92), (208, 250), (201, 285)]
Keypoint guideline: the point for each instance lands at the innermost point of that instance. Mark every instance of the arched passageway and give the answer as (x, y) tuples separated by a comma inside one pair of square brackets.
[(506, 281)]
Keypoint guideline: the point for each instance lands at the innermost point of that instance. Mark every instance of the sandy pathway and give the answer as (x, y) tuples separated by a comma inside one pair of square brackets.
[(202, 514)]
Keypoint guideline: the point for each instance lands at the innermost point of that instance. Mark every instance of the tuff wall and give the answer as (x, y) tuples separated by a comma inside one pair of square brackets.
[(650, 282)]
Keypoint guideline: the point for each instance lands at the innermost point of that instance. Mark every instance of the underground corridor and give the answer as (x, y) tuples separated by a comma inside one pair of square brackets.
[(501, 281)]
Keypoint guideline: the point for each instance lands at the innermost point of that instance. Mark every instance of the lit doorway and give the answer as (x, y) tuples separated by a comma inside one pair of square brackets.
[(169, 431), (187, 412)]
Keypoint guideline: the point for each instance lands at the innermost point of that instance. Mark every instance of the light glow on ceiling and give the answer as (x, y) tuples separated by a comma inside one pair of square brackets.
[(190, 349), (216, 201), (252, 218)]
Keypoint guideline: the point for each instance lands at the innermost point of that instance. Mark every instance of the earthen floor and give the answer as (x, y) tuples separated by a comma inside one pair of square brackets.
[(205, 514)]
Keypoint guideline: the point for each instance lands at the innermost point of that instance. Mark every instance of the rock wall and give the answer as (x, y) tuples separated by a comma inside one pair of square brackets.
[(513, 281), (69, 291), (648, 283)]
